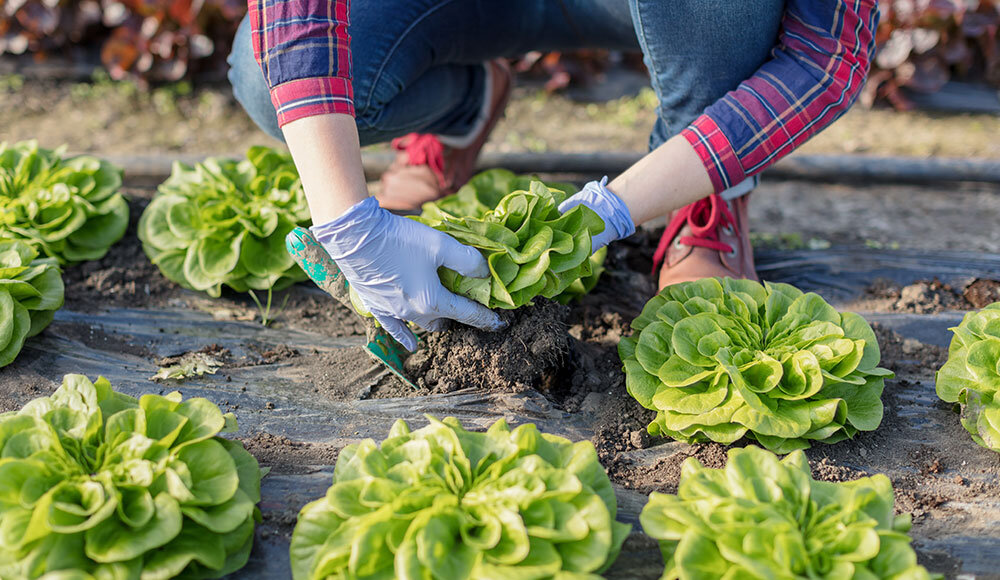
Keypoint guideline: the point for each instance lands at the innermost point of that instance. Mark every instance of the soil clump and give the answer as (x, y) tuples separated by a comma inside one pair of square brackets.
[(528, 354), (284, 455), (932, 296)]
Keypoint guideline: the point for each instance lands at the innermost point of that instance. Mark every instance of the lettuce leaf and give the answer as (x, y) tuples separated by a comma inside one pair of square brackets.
[(69, 209), (764, 518), (224, 222), (31, 290), (971, 376), (531, 249), (443, 502), (719, 359), (95, 484)]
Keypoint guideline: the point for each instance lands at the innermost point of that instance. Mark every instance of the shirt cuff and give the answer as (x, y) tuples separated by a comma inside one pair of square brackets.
[(312, 96), (716, 152)]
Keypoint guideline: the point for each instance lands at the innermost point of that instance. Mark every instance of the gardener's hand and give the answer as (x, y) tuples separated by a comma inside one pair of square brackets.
[(618, 222), (392, 263)]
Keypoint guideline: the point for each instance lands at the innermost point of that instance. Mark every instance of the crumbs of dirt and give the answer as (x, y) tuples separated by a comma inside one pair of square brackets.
[(19, 385), (931, 296), (350, 374), (528, 354), (124, 276), (269, 355), (283, 455), (908, 354), (664, 474), (981, 293)]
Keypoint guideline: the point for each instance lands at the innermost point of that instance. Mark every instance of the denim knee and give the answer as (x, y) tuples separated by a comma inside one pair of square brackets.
[(249, 86)]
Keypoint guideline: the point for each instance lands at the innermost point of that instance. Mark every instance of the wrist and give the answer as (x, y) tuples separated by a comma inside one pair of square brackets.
[(347, 233), (612, 209)]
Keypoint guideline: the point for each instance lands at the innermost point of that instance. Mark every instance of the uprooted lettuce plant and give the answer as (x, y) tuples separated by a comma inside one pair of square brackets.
[(70, 209), (443, 502), (971, 376), (531, 249), (764, 518), (95, 485), (31, 290), (224, 222), (719, 359)]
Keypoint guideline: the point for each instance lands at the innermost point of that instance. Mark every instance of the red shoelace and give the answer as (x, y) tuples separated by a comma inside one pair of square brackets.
[(705, 217), (423, 149)]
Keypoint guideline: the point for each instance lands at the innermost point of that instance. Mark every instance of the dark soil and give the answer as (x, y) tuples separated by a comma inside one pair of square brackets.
[(125, 277), (907, 354), (283, 455), (528, 354)]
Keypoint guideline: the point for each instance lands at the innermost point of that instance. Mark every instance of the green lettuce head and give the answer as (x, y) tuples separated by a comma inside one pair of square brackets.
[(97, 485), (971, 377), (764, 518), (225, 221), (69, 209), (718, 359), (443, 502), (531, 249), (31, 290)]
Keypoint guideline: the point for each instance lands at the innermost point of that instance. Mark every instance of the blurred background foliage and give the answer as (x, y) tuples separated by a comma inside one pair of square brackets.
[(923, 43)]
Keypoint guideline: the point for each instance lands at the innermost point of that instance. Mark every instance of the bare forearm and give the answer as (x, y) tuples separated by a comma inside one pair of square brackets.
[(668, 178), (327, 154)]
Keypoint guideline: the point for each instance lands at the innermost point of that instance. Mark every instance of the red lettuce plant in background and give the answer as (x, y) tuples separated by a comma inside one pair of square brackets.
[(925, 43), (922, 43)]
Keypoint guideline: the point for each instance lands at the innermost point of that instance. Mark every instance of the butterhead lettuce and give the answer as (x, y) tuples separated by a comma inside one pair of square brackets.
[(31, 290), (70, 209), (443, 502), (971, 377), (531, 248), (97, 485), (764, 518), (224, 222), (719, 359)]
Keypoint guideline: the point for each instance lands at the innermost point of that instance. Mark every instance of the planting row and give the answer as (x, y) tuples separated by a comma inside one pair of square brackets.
[(99, 485), (716, 359), (95, 484)]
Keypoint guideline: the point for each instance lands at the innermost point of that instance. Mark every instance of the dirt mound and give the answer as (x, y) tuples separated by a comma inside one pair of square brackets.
[(932, 296), (899, 353), (529, 354), (283, 455)]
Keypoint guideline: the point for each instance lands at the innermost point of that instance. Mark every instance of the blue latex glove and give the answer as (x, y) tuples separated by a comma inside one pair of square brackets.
[(392, 263), (617, 219)]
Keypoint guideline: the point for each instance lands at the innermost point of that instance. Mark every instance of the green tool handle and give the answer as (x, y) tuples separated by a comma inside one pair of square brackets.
[(318, 265)]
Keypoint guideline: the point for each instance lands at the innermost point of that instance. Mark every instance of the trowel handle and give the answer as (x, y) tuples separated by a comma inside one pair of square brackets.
[(318, 265)]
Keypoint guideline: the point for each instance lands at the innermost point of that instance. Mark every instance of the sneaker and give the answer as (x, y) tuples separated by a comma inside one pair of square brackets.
[(429, 167), (705, 239)]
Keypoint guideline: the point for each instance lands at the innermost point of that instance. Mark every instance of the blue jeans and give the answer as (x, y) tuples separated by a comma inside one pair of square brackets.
[(417, 63)]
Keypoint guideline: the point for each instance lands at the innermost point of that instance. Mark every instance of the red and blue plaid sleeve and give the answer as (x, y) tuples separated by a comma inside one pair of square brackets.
[(304, 49), (813, 76)]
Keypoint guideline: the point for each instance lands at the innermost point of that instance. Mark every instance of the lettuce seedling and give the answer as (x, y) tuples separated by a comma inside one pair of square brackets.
[(31, 290), (971, 377), (531, 249), (764, 518), (718, 359), (70, 209), (95, 484), (224, 222), (443, 502)]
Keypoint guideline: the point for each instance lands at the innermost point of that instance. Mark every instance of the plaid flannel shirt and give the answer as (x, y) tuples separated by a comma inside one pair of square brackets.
[(813, 76)]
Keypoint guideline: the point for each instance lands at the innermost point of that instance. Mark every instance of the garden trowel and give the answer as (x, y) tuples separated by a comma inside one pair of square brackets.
[(319, 266)]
